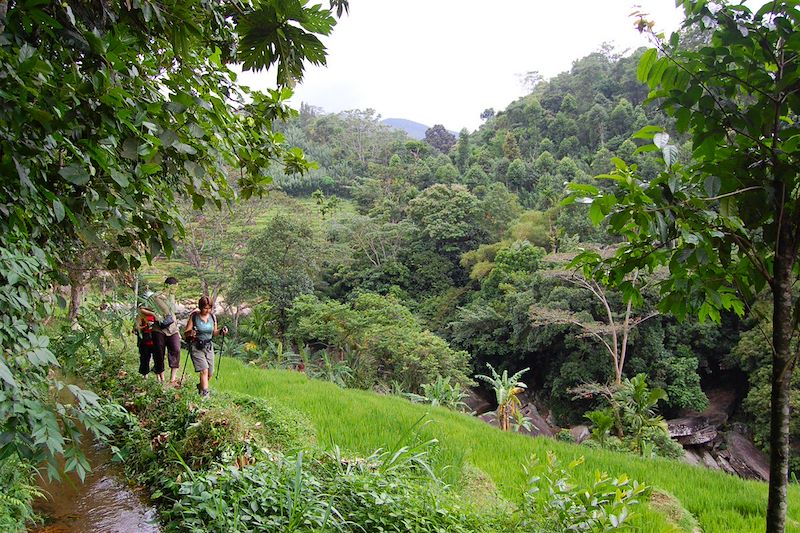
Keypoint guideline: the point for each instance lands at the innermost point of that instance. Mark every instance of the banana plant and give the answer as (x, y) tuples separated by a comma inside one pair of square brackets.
[(506, 390)]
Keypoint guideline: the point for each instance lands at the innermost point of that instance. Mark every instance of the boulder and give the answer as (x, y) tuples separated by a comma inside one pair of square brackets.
[(692, 430), (580, 433), (744, 458), (476, 403), (540, 425)]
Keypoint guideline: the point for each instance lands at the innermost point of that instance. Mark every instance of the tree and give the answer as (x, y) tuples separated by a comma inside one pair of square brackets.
[(111, 111), (213, 240), (612, 332), (506, 389), (280, 265), (440, 138), (448, 215), (487, 113), (727, 226), (462, 150)]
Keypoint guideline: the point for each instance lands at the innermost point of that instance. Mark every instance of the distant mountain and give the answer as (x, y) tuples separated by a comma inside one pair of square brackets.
[(413, 129)]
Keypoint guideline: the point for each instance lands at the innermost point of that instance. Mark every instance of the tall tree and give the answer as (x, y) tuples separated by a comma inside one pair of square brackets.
[(110, 111), (728, 224), (441, 139)]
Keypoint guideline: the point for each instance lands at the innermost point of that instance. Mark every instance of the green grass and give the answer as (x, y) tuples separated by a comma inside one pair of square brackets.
[(361, 421)]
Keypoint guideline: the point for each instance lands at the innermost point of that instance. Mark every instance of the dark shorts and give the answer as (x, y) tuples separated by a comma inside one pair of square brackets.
[(147, 352), (172, 345)]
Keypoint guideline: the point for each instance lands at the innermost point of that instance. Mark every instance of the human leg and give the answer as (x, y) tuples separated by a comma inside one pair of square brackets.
[(173, 356), (159, 346), (200, 361), (144, 358)]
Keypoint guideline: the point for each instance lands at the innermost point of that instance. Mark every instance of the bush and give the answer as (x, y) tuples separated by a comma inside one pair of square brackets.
[(19, 490), (389, 343), (555, 501), (632, 417)]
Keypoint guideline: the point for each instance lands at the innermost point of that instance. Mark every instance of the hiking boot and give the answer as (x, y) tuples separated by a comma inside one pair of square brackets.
[(204, 393)]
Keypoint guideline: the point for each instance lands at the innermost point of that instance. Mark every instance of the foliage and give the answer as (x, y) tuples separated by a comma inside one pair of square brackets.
[(279, 266), (506, 389), (389, 341), (443, 393), (448, 216), (241, 463), (441, 139), (111, 111), (19, 489), (632, 416), (557, 502), (729, 216)]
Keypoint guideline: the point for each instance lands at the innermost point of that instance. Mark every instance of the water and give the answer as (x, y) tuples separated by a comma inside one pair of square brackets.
[(104, 503)]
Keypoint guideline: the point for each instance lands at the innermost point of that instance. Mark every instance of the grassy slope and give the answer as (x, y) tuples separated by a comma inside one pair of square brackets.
[(362, 421)]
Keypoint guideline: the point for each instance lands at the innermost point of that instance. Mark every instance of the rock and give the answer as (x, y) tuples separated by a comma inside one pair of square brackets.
[(489, 418), (744, 458), (476, 403), (580, 433), (693, 456), (692, 430), (540, 425), (707, 459)]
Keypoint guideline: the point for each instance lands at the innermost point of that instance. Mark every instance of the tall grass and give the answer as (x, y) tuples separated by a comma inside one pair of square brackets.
[(361, 421)]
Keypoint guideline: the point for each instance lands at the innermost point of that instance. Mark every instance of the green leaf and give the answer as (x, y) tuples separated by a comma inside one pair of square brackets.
[(712, 185), (670, 153), (596, 213), (646, 63), (75, 174), (120, 177), (58, 210), (647, 132), (6, 375), (791, 144)]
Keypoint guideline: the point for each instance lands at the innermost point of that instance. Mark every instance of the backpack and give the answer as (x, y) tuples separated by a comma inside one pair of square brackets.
[(201, 344), (145, 335)]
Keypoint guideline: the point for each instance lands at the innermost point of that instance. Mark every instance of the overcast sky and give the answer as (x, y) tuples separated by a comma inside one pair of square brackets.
[(445, 61)]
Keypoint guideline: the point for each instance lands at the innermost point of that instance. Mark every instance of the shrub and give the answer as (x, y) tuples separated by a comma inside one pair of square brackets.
[(632, 416), (555, 501), (19, 490)]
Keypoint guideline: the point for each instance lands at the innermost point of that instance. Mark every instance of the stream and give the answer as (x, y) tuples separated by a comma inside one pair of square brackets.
[(103, 503)]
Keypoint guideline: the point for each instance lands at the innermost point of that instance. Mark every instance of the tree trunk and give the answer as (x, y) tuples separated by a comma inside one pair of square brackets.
[(781, 378), (75, 294)]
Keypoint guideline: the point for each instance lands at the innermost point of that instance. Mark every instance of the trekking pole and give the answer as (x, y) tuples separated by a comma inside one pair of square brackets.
[(186, 363), (219, 360)]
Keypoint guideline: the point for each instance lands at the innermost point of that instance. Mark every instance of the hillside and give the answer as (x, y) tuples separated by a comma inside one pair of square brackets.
[(362, 421)]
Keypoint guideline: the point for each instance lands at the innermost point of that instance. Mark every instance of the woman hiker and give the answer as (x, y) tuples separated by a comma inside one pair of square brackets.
[(200, 329)]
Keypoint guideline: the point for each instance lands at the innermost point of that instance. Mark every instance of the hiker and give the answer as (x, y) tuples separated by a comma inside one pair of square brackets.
[(144, 341), (166, 334), (200, 330)]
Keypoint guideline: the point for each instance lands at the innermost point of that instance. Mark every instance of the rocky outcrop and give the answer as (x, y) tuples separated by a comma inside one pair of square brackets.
[(709, 442), (692, 430), (476, 403)]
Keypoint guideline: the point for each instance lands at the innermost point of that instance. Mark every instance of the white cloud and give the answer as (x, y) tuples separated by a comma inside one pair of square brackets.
[(445, 61)]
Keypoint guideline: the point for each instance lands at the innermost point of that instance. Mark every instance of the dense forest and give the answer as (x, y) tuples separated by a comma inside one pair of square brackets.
[(608, 257), (469, 235)]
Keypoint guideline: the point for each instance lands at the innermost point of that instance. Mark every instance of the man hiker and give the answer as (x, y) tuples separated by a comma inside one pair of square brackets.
[(166, 334)]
